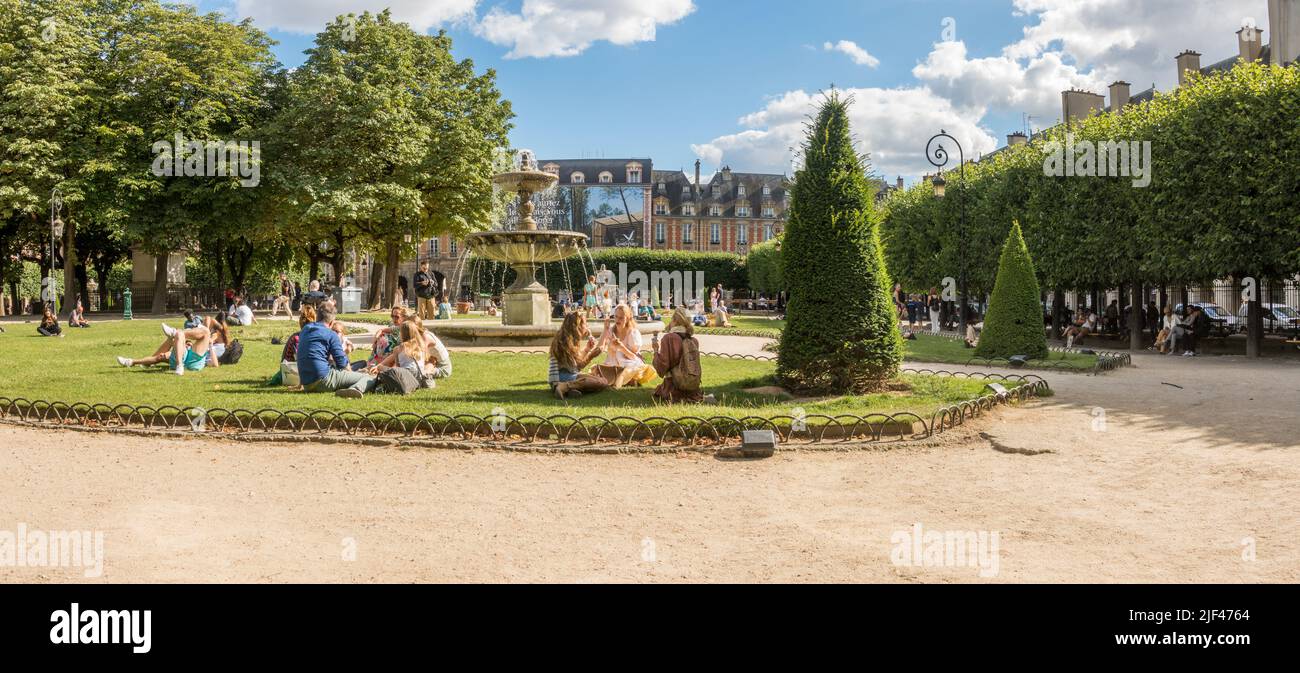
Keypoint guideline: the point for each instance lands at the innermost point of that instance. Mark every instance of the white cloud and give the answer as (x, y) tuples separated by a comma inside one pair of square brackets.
[(853, 51), (546, 28), (1084, 44), (892, 125), (310, 16), (541, 28)]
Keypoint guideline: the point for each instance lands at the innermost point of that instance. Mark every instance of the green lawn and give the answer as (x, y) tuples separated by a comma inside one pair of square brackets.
[(927, 348), (743, 325), (382, 317), (81, 368)]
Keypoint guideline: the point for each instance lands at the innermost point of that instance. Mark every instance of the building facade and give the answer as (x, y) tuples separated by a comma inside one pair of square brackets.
[(731, 213)]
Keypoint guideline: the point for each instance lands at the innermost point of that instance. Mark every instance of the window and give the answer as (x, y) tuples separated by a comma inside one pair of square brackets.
[(742, 211), (435, 247), (633, 173), (686, 232), (688, 209), (577, 178), (769, 211), (661, 207), (715, 233), (767, 190), (767, 232), (742, 235), (715, 211), (453, 247), (659, 232), (553, 169), (740, 190), (606, 177), (714, 191), (686, 193)]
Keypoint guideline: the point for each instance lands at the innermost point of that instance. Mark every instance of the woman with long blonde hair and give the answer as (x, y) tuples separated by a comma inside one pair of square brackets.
[(410, 354), (622, 340), (572, 349)]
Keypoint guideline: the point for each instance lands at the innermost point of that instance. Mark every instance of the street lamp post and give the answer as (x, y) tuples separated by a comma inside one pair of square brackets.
[(56, 231), (938, 157)]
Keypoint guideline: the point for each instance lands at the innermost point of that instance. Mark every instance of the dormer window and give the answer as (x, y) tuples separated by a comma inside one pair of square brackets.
[(742, 211), (661, 207), (577, 178), (552, 168), (767, 190), (633, 173), (606, 177), (740, 190), (769, 211), (688, 209), (715, 211), (714, 191)]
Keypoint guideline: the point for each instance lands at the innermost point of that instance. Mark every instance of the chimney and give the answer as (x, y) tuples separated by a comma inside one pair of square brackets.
[(1188, 61), (1284, 31), (899, 182), (726, 173), (697, 172), (1016, 138), (1119, 95), (1077, 104), (1250, 42)]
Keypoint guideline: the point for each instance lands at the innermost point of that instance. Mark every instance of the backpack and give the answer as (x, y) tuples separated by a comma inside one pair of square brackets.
[(934, 304), (398, 381), (233, 352), (686, 374)]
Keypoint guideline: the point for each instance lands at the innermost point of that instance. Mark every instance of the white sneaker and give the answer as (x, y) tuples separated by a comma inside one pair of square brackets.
[(169, 330), (180, 370), (125, 362), (1069, 342)]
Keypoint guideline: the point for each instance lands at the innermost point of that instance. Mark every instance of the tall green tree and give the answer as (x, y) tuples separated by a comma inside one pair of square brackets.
[(385, 135), (841, 332), (1014, 322)]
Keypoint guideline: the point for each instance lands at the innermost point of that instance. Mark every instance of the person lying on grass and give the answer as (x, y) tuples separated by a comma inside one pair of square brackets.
[(572, 349), (182, 350)]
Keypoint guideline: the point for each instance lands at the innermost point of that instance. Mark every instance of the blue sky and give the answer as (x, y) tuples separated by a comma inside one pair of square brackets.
[(730, 81)]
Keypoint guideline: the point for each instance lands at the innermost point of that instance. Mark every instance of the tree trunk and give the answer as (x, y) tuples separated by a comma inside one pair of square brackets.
[(69, 268), (160, 285), (1254, 328), (390, 271), (16, 307), (1135, 340), (376, 277), (1058, 300)]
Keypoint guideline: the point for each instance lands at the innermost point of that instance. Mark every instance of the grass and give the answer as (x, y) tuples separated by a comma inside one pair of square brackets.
[(382, 317), (743, 325), (80, 368), (928, 348)]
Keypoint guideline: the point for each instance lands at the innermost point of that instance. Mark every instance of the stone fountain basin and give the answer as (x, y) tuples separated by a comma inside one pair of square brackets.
[(527, 181), (475, 334), (526, 247)]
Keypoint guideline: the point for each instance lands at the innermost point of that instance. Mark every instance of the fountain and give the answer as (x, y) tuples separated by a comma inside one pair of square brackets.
[(526, 303)]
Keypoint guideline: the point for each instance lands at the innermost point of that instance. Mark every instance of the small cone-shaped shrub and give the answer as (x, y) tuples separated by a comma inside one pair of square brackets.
[(841, 334), (1014, 322)]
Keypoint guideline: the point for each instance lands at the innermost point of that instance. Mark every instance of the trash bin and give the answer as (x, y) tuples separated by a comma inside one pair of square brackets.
[(349, 299)]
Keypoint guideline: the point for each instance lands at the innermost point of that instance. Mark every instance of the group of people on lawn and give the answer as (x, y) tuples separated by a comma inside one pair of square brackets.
[(318, 354)]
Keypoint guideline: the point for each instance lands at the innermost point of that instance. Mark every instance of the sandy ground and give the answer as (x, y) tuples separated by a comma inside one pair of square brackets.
[(1141, 482)]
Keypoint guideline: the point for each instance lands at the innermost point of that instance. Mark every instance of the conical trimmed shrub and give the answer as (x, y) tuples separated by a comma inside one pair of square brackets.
[(1014, 322), (841, 334)]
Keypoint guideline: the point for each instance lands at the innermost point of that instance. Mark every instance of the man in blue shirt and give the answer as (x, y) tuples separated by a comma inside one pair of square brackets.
[(322, 364)]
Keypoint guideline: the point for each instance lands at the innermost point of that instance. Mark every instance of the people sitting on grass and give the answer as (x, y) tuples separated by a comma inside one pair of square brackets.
[(572, 349), (411, 354), (322, 363), (306, 316), (720, 313), (182, 350), (1085, 323), (240, 313), (78, 316), (49, 324), (622, 344), (438, 359), (386, 339), (677, 361)]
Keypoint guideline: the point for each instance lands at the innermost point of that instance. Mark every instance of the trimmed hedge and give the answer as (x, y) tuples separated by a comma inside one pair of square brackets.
[(1014, 323), (718, 267), (764, 266), (841, 334)]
